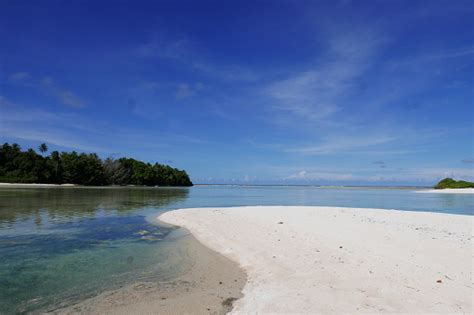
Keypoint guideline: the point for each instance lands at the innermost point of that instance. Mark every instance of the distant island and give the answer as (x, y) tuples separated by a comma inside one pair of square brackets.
[(451, 183), (17, 166)]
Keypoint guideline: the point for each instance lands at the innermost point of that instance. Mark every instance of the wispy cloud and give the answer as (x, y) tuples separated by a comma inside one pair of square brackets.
[(189, 53), (422, 59), (178, 49), (419, 175), (19, 76), (319, 92), (48, 85), (66, 97), (468, 161), (331, 145), (380, 164), (186, 90), (227, 72), (74, 131), (320, 176), (435, 174), (61, 129)]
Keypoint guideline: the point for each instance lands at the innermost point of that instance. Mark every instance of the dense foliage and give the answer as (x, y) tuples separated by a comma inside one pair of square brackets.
[(17, 166), (451, 183)]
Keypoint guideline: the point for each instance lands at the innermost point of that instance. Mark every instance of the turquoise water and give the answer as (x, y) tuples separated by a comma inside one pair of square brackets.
[(61, 245)]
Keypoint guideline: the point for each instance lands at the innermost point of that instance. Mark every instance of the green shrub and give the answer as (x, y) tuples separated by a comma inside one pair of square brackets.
[(17, 166), (451, 183)]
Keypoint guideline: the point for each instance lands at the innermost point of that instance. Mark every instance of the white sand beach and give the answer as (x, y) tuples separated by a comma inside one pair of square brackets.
[(448, 191), (19, 185), (341, 260)]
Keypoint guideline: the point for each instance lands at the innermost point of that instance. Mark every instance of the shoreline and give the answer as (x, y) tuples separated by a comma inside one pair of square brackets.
[(414, 188), (34, 185), (196, 291), (340, 260), (447, 191)]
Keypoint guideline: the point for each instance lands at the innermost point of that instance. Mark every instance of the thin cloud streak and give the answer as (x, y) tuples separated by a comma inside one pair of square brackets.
[(66, 97), (48, 85), (343, 144), (186, 90), (428, 175), (319, 93), (421, 60), (19, 76), (70, 130), (186, 52)]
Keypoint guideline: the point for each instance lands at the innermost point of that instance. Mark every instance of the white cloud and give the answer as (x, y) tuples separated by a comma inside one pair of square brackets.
[(47, 84), (318, 176), (319, 92), (61, 129), (158, 47), (20, 76), (249, 178), (66, 97), (419, 175), (186, 90), (188, 53), (74, 131), (436, 174), (70, 99), (331, 145), (226, 72), (422, 59)]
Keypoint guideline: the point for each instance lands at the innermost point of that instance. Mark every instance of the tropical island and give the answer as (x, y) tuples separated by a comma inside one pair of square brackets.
[(17, 166), (449, 183)]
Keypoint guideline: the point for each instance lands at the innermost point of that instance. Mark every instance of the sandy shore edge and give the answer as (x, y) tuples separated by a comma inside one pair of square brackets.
[(341, 260), (448, 191), (19, 185), (195, 291)]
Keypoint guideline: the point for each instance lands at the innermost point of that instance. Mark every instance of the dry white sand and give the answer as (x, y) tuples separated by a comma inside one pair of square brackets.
[(34, 185), (341, 260), (448, 191)]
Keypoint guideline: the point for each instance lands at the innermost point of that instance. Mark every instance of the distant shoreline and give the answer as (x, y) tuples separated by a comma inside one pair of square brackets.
[(320, 186), (36, 185), (448, 191), (418, 189)]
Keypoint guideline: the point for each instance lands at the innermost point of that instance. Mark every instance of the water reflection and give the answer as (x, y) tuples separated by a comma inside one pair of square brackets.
[(62, 204), (60, 245)]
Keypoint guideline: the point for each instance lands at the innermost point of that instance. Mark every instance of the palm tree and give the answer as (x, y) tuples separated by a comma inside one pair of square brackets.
[(16, 147), (43, 148)]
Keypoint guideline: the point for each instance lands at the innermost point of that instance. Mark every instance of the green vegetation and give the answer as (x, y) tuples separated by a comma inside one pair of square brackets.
[(17, 166), (451, 183)]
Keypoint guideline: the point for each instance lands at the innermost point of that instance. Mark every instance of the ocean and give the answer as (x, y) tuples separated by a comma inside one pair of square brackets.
[(59, 246)]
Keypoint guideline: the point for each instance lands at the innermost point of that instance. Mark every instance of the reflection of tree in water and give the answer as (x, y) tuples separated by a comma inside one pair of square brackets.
[(24, 204)]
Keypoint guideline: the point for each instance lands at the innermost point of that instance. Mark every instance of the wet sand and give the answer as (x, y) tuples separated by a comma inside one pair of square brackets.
[(209, 286)]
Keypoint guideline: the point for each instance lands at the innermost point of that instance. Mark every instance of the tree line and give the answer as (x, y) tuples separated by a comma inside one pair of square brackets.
[(451, 183), (17, 166)]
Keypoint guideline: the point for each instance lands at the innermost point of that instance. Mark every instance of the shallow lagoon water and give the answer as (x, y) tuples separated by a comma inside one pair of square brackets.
[(61, 245)]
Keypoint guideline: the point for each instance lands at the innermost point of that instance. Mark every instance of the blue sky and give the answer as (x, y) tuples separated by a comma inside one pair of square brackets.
[(295, 92)]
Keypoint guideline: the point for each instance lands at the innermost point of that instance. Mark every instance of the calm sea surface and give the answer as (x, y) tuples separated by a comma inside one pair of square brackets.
[(61, 245)]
